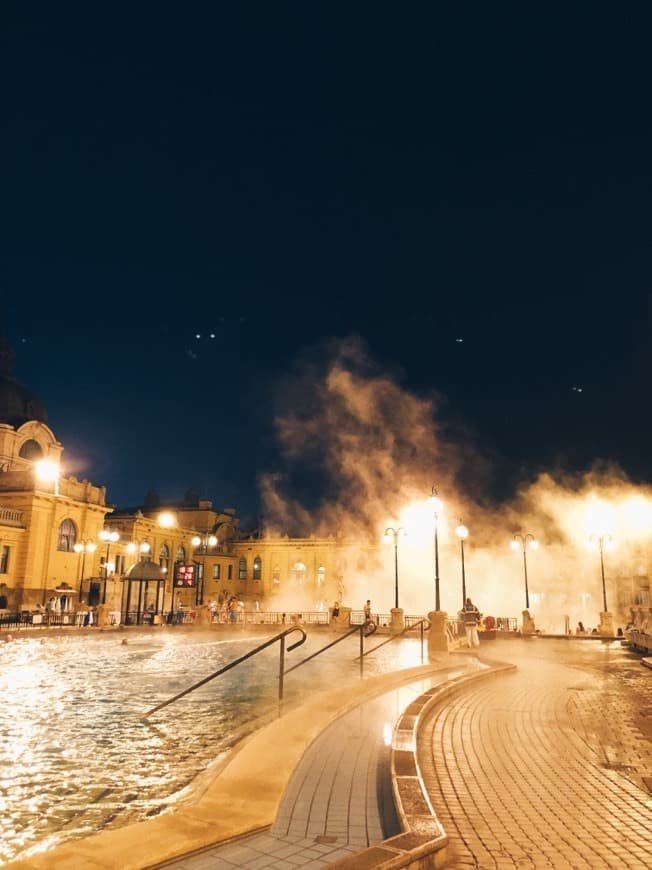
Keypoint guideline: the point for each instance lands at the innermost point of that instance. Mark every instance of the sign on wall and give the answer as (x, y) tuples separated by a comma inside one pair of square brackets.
[(184, 575)]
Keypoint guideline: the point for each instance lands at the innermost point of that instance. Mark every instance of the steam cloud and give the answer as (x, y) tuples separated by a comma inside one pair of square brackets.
[(362, 453)]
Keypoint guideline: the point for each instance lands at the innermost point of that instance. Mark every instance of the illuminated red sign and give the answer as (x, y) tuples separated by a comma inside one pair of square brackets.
[(184, 575)]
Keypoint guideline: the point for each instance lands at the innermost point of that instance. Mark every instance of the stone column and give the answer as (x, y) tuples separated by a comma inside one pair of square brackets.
[(528, 623), (437, 636), (397, 623)]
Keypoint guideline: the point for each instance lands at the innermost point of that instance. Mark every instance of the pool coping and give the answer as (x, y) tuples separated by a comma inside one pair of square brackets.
[(423, 841), (239, 794)]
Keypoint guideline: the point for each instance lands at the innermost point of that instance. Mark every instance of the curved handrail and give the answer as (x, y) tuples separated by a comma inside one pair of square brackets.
[(422, 624), (278, 637)]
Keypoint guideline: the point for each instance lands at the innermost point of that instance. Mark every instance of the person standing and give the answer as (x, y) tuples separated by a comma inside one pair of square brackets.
[(471, 617)]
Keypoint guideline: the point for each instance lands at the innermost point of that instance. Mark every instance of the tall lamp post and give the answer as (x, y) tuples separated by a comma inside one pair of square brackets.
[(204, 542), (84, 547), (604, 542), (111, 537), (390, 533), (436, 505), (523, 541), (462, 533)]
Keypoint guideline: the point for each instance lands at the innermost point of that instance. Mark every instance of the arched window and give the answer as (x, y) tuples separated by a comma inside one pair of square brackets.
[(181, 555), (164, 557), (321, 575), (299, 571), (242, 568), (31, 450), (258, 568), (67, 536), (276, 575)]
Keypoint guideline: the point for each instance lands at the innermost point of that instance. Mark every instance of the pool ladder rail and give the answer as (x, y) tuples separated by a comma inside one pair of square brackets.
[(278, 638)]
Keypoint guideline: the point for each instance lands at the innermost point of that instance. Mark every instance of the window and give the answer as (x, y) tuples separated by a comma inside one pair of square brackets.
[(321, 575), (120, 564), (4, 560), (67, 536), (230, 573), (276, 575), (242, 568), (299, 572), (30, 450), (258, 568), (181, 555), (164, 558), (216, 572)]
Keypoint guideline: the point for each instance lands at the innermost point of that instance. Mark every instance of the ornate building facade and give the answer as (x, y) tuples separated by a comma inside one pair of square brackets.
[(60, 538)]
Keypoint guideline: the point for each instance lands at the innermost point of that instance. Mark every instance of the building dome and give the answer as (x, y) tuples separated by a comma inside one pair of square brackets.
[(18, 404)]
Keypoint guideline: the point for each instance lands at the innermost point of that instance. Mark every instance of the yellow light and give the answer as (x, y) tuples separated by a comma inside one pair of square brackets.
[(462, 532), (145, 547), (131, 547), (166, 520), (638, 514), (212, 541), (599, 518), (533, 544), (196, 541), (514, 545), (436, 504), (46, 469)]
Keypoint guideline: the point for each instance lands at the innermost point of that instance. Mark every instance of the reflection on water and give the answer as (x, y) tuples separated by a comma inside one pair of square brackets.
[(75, 757)]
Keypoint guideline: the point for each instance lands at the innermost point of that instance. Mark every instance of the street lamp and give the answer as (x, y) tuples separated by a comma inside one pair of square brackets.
[(142, 549), (605, 542), (395, 533), (462, 533), (110, 537), (437, 506), (48, 471), (526, 540), (84, 547), (204, 542)]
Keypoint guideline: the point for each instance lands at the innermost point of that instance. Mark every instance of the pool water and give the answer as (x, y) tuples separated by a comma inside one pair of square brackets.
[(75, 754)]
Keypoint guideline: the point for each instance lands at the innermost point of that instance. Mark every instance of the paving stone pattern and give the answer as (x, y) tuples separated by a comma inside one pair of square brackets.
[(549, 766)]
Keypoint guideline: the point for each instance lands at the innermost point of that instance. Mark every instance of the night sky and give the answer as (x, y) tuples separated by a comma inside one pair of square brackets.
[(279, 174)]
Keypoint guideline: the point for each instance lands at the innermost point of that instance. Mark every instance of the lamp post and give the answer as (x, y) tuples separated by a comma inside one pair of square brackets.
[(204, 542), (111, 537), (387, 537), (142, 549), (84, 547), (462, 533), (605, 542), (526, 540), (436, 504)]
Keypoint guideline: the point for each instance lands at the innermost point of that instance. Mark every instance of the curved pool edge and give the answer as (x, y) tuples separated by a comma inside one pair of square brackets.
[(242, 796)]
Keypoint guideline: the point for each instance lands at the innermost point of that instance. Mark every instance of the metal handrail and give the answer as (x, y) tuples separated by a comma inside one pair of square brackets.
[(363, 630), (278, 637), (423, 624)]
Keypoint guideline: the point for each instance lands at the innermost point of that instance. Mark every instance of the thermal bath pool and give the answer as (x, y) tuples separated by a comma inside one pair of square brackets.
[(75, 755)]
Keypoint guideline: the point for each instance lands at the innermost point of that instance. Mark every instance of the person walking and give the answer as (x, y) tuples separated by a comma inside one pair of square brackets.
[(471, 617)]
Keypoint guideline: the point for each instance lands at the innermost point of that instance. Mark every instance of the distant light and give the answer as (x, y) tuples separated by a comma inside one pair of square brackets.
[(534, 545), (212, 541), (577, 389), (107, 535), (514, 545), (198, 335), (459, 340), (435, 503), (462, 532), (196, 541), (212, 335), (166, 520)]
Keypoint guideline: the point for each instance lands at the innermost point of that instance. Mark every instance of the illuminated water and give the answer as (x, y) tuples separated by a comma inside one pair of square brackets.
[(75, 756)]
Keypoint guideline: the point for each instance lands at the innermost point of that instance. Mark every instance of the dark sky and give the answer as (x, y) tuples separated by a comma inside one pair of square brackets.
[(280, 173)]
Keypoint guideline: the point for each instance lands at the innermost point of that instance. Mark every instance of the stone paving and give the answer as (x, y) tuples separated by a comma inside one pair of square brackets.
[(549, 766), (338, 800)]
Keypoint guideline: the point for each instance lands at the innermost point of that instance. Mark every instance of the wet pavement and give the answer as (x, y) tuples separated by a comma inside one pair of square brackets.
[(548, 766)]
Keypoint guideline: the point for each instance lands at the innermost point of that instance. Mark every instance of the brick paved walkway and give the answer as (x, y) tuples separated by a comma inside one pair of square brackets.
[(550, 766)]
